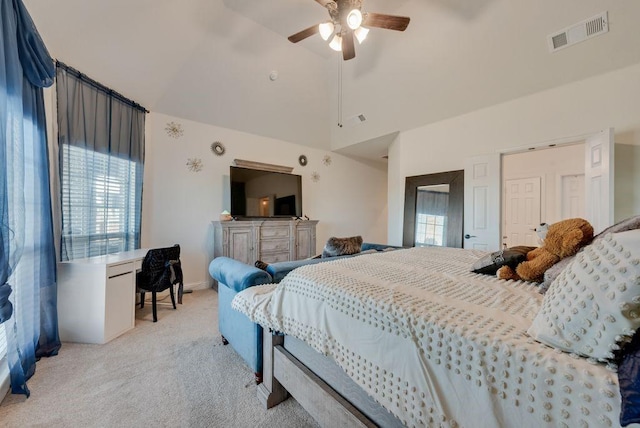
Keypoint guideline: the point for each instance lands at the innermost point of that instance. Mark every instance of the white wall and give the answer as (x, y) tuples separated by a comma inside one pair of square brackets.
[(576, 109), (350, 198)]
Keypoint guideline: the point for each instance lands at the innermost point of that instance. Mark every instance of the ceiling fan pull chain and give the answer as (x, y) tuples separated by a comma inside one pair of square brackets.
[(339, 92)]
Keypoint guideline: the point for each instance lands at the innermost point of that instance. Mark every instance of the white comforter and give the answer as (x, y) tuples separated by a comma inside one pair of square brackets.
[(436, 344)]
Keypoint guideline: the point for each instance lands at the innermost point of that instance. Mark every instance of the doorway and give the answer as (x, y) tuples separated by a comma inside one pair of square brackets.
[(540, 186), (483, 194)]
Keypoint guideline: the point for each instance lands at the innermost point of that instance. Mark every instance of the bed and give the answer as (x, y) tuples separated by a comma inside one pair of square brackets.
[(435, 344)]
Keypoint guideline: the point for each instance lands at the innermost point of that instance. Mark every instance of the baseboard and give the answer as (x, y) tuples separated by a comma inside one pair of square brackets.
[(203, 285), (163, 295)]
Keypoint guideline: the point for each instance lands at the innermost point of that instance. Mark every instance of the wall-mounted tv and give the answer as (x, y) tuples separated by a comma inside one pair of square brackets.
[(258, 193)]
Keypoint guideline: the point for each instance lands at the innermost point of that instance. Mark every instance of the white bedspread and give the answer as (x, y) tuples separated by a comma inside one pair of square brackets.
[(436, 344)]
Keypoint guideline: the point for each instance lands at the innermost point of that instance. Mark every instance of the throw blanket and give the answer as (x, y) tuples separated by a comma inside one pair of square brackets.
[(436, 344)]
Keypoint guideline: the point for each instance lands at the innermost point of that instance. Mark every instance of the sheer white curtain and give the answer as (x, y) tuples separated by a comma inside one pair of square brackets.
[(28, 291), (4, 369)]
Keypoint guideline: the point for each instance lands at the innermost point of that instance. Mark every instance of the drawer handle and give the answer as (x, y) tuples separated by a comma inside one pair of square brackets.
[(120, 274)]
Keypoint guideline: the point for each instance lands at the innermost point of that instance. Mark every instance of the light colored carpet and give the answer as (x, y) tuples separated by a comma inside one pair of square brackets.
[(173, 373)]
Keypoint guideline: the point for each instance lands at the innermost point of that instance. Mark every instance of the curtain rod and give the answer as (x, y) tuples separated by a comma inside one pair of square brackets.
[(100, 86)]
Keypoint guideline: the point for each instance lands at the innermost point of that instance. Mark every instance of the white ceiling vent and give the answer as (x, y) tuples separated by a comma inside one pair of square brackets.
[(579, 32), (356, 120)]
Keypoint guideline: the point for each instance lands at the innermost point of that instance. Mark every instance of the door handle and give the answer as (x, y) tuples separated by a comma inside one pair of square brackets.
[(467, 236)]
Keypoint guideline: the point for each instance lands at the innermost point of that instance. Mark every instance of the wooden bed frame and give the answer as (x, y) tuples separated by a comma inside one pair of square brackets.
[(283, 374)]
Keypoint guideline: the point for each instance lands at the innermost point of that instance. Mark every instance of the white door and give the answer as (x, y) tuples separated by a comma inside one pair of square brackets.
[(522, 211), (482, 203), (572, 203), (598, 171)]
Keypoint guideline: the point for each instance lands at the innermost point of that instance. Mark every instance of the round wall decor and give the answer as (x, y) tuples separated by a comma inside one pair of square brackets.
[(174, 130), (194, 164), (217, 148), (302, 160)]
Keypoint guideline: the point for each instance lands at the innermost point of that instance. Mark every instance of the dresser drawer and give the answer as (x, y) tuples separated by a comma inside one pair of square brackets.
[(119, 269), (274, 245), (275, 257), (274, 232)]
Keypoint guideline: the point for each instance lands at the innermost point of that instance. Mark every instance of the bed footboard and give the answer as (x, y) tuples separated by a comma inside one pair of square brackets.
[(284, 374), (270, 391)]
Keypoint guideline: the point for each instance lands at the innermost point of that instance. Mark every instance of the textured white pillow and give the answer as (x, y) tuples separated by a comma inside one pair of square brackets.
[(595, 302)]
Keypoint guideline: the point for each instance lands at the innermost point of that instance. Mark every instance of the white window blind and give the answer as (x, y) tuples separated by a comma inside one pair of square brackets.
[(98, 203), (430, 230)]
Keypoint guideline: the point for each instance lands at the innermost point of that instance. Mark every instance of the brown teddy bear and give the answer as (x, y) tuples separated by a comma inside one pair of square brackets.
[(563, 239)]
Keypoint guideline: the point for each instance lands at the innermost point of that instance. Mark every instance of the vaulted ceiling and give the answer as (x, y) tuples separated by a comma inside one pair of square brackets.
[(210, 60)]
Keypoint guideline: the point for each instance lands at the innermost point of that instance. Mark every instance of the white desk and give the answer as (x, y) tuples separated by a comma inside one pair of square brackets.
[(96, 296)]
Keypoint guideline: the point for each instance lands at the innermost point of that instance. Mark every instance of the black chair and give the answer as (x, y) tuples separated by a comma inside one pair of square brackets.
[(161, 269)]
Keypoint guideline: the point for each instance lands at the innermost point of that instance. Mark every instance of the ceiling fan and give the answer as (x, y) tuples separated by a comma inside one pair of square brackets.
[(348, 21)]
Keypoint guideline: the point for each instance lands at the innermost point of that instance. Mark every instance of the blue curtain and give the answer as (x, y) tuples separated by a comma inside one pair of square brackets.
[(27, 251)]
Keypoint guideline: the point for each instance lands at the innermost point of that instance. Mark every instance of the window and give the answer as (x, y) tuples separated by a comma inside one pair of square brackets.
[(430, 229), (101, 157), (99, 209)]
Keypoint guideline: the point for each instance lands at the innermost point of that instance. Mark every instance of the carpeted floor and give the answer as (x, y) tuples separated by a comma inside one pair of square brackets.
[(173, 373)]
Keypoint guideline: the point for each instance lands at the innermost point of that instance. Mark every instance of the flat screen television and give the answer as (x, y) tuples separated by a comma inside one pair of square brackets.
[(257, 193)]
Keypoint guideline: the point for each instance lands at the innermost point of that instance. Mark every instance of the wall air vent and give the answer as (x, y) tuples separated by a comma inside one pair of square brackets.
[(579, 32)]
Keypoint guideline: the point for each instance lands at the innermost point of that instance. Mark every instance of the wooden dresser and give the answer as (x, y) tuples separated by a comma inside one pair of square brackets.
[(268, 240)]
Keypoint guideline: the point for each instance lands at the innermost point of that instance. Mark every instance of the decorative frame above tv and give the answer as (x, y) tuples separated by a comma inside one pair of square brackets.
[(259, 193), (263, 166)]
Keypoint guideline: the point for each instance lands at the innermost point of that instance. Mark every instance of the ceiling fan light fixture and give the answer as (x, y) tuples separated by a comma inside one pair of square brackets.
[(361, 34), (326, 30), (336, 43), (354, 19)]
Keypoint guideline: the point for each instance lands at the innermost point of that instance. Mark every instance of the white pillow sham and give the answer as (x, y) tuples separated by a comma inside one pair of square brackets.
[(594, 304)]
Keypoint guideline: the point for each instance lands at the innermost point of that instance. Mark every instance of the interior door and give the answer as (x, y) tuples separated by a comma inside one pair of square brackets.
[(482, 203), (598, 171), (522, 211), (571, 196)]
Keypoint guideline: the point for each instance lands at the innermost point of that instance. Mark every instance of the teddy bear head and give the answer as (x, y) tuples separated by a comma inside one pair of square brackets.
[(566, 237)]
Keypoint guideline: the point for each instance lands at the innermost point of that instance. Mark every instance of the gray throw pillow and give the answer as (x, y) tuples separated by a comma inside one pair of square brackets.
[(342, 246), (553, 272), (630, 223), (489, 264)]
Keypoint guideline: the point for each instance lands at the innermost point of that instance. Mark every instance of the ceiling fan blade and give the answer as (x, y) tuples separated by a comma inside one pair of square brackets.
[(390, 22), (304, 34), (348, 47), (324, 3)]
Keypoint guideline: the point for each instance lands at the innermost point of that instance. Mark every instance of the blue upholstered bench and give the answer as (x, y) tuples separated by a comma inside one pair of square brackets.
[(234, 276)]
